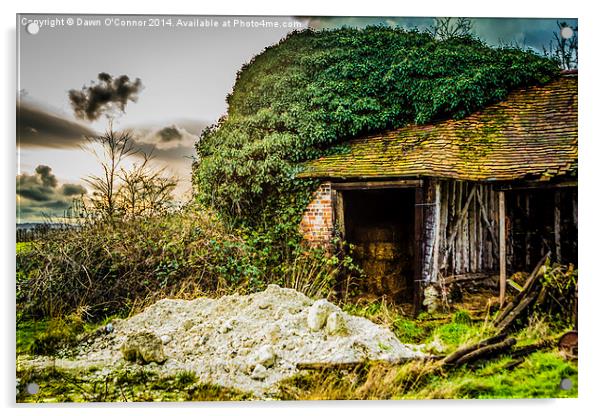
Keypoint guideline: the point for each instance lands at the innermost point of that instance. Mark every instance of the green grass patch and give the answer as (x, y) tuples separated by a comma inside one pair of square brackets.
[(539, 376)]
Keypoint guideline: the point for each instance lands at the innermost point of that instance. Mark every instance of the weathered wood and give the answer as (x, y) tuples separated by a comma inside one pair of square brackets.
[(443, 225), (437, 234), (527, 287), (536, 185), (474, 248), (528, 233), (486, 351), (453, 357), (457, 278), (487, 223), (418, 249), (406, 183), (458, 223), (522, 306), (339, 209), (502, 238), (557, 232), (531, 348)]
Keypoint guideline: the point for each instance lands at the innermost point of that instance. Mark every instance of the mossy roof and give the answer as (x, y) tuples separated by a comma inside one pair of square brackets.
[(532, 134)]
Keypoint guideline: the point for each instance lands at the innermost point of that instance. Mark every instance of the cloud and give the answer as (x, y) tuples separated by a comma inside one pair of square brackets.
[(168, 134), (173, 139), (39, 127), (39, 195), (109, 95)]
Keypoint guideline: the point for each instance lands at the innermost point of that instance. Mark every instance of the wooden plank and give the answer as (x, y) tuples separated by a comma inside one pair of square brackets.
[(528, 232), (557, 231), (535, 185), (339, 209), (437, 233), (444, 212), (458, 223), (473, 235), (418, 249), (407, 183), (502, 237)]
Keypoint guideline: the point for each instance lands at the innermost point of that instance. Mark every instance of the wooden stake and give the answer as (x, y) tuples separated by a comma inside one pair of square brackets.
[(502, 236)]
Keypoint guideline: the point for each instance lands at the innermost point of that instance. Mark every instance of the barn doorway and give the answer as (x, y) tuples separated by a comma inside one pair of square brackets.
[(379, 223)]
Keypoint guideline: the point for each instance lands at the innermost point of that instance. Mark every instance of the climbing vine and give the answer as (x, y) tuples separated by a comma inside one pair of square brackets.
[(305, 96)]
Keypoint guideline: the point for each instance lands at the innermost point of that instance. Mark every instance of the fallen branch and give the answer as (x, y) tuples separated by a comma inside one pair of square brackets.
[(453, 357), (486, 352), (529, 284), (518, 310)]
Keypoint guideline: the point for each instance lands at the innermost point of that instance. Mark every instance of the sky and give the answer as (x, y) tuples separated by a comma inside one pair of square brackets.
[(186, 67)]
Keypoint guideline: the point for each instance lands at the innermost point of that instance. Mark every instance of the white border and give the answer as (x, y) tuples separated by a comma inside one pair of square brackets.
[(589, 207)]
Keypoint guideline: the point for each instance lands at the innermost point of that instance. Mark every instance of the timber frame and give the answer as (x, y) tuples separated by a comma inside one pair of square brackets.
[(460, 228)]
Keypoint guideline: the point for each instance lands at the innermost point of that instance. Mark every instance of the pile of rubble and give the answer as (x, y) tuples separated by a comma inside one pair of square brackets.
[(245, 342)]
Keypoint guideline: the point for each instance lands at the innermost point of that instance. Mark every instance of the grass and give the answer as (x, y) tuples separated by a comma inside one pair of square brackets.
[(120, 385), (538, 376)]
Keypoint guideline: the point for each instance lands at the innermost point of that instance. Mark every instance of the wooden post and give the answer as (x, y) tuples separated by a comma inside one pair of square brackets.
[(418, 249), (437, 231), (502, 237), (557, 240), (339, 212)]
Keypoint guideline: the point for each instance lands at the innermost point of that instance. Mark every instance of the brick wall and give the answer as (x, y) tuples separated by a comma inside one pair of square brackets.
[(317, 225)]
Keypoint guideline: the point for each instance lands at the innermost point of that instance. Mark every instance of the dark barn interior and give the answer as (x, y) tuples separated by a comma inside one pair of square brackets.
[(380, 224), (541, 221)]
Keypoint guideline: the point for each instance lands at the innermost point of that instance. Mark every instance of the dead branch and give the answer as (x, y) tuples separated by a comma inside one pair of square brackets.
[(453, 357)]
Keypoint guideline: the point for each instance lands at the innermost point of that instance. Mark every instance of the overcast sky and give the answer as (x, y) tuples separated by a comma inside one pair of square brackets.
[(186, 73)]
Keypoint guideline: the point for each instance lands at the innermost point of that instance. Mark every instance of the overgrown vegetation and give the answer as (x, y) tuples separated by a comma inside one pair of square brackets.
[(306, 95), (102, 268)]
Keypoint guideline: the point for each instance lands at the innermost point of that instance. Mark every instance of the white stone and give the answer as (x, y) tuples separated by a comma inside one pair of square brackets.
[(259, 372), (165, 339), (265, 356), (317, 314), (335, 323)]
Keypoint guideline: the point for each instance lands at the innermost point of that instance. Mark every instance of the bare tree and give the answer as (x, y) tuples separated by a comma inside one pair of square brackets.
[(110, 149), (123, 191), (451, 27), (145, 191), (564, 47)]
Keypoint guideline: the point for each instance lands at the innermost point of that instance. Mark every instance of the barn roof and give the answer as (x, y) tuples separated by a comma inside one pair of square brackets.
[(531, 135)]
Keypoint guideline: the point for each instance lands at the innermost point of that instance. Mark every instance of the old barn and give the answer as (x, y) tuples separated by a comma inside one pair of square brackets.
[(489, 194)]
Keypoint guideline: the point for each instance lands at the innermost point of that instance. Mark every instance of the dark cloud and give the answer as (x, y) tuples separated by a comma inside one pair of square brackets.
[(70, 189), (105, 97), (169, 134), (37, 127), (45, 174), (39, 195)]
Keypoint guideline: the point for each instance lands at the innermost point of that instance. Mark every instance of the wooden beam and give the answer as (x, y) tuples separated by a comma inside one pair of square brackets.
[(437, 233), (535, 185), (339, 214), (502, 237), (408, 183), (418, 249), (557, 239)]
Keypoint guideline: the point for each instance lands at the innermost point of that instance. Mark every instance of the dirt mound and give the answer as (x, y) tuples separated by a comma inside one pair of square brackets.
[(246, 342)]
